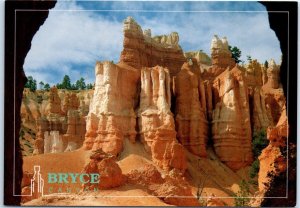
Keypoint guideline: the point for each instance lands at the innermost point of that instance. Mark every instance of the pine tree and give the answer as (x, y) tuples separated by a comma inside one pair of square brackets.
[(47, 87), (31, 83), (80, 84), (235, 53), (66, 83)]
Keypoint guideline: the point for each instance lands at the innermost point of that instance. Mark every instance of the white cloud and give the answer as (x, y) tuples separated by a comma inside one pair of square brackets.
[(70, 37), (70, 42)]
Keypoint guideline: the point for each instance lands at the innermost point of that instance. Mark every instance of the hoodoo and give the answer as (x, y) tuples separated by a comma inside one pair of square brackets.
[(161, 122)]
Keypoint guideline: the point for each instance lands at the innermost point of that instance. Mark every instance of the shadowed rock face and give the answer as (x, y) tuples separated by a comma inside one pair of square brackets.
[(156, 122), (191, 122), (14, 75)]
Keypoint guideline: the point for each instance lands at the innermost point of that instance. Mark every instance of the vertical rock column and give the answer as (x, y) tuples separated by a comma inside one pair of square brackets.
[(111, 117), (231, 129), (274, 96), (156, 122), (41, 126), (191, 122), (220, 55), (258, 112), (273, 159)]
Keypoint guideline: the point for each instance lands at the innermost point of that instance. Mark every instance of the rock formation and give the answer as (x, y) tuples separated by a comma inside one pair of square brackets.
[(273, 159), (191, 122), (231, 129), (111, 118), (259, 116), (156, 122), (274, 98), (42, 126), (273, 75), (53, 142), (71, 102), (220, 55), (173, 189), (141, 50), (201, 57), (54, 105), (172, 104), (254, 79), (75, 134), (105, 165), (253, 74)]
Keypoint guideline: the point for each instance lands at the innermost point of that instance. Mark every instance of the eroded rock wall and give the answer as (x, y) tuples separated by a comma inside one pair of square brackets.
[(156, 121), (111, 118), (273, 158), (142, 50), (231, 129), (191, 121)]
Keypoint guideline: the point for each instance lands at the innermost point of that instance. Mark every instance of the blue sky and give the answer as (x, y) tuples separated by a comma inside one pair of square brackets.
[(73, 37)]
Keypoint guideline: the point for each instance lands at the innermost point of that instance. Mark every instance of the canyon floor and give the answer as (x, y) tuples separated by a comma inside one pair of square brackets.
[(217, 179)]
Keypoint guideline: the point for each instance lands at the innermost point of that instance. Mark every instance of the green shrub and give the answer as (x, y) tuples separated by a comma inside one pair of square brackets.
[(259, 142), (241, 197), (254, 168)]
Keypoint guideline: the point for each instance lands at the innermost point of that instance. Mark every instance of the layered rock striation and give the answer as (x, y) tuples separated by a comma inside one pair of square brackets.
[(54, 105), (254, 77), (221, 57), (223, 102), (231, 129), (170, 101), (111, 118), (53, 116), (142, 50), (273, 159), (200, 56), (191, 120), (156, 122), (274, 97)]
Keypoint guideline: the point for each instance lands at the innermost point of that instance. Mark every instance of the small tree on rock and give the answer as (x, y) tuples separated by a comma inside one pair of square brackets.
[(31, 84), (66, 83), (235, 53), (47, 87), (80, 84)]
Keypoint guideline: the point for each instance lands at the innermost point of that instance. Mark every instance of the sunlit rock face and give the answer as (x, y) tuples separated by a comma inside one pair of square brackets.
[(273, 75), (54, 105), (111, 118), (254, 77), (220, 55), (170, 101), (71, 102), (156, 122), (231, 129), (142, 50), (191, 122), (273, 158), (53, 142), (200, 56), (273, 93), (74, 137)]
